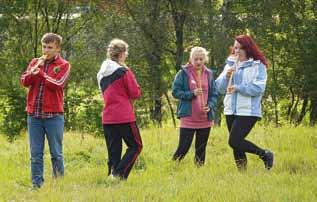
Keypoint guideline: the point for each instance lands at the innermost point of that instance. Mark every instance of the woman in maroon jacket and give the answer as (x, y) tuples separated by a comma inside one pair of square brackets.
[(119, 89)]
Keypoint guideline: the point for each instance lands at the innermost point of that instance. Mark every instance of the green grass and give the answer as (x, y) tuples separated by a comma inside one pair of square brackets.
[(156, 178)]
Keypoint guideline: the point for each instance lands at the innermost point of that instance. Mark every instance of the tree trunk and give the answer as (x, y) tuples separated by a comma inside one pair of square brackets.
[(313, 111), (294, 111), (36, 29), (303, 110), (274, 94), (179, 15), (179, 45), (290, 106), (171, 108), (154, 62)]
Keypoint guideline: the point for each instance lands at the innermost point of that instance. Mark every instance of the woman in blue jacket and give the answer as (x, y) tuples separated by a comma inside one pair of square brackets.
[(194, 87), (243, 82)]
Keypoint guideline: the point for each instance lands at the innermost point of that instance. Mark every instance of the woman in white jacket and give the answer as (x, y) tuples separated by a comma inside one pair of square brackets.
[(243, 82)]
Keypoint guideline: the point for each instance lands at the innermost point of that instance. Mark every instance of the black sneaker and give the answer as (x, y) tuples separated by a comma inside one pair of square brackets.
[(268, 159), (36, 186)]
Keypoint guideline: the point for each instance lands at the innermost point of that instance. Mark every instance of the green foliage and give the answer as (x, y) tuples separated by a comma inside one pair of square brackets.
[(85, 113), (160, 35), (11, 123)]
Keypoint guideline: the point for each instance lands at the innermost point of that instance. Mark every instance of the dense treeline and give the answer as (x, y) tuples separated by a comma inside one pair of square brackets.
[(160, 34)]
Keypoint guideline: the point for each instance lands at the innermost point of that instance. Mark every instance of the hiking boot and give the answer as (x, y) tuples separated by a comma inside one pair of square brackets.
[(268, 159), (36, 186)]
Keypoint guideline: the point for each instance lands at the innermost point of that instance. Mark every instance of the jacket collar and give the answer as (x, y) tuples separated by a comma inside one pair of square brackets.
[(107, 68), (230, 61), (57, 59), (187, 66)]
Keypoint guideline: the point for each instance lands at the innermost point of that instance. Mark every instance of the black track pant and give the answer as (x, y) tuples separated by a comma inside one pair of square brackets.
[(185, 140), (114, 134)]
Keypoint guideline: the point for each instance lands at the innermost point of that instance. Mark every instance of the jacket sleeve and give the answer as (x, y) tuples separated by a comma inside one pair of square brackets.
[(257, 86), (222, 81), (27, 78), (59, 81), (178, 90), (213, 93), (134, 90)]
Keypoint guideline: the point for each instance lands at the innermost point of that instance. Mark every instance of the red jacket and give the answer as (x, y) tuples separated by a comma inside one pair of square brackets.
[(54, 82), (119, 88)]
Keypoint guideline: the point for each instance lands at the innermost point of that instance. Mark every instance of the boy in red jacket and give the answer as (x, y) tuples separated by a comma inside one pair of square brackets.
[(45, 78), (119, 89)]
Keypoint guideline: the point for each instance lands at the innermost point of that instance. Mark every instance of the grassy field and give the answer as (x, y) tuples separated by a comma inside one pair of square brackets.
[(156, 178)]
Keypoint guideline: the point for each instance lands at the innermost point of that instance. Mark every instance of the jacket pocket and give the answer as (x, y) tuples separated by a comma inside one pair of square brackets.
[(180, 109), (211, 114), (183, 109), (244, 104)]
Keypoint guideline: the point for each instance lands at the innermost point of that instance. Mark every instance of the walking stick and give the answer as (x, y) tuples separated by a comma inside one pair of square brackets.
[(234, 67), (202, 101)]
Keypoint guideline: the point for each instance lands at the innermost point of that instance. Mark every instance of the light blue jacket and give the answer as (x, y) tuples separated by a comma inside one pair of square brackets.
[(181, 91), (250, 81)]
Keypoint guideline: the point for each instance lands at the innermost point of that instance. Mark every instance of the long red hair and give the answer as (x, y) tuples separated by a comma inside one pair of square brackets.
[(251, 49)]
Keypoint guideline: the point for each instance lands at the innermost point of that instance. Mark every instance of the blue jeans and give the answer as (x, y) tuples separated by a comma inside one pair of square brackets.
[(53, 128)]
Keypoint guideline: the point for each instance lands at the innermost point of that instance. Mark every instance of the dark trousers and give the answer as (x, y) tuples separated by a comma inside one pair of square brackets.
[(185, 140), (239, 127), (114, 134)]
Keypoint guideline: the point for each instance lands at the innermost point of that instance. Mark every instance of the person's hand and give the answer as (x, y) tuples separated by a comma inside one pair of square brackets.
[(35, 71), (206, 109), (231, 89), (198, 91), (229, 73), (42, 59)]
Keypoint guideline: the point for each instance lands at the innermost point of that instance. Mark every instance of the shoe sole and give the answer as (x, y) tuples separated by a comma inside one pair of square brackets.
[(267, 166)]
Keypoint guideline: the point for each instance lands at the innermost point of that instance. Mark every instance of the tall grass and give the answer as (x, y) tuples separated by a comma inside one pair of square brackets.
[(156, 178)]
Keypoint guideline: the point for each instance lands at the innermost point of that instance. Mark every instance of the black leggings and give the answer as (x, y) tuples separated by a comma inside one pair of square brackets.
[(185, 140), (239, 127)]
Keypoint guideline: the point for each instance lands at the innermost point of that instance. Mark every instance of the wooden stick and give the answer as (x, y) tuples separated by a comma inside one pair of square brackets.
[(234, 66), (200, 86), (38, 63), (230, 80)]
